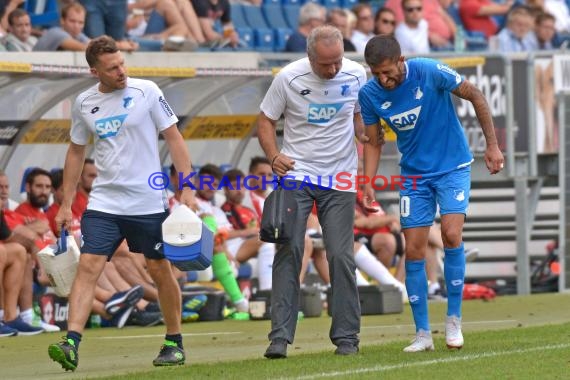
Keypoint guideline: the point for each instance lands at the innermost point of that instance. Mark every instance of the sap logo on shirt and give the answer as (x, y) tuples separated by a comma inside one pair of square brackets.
[(109, 127), (406, 120), (322, 113)]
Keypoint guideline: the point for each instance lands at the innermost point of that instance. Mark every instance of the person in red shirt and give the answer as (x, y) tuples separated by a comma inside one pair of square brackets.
[(259, 183), (477, 15), (84, 187), (246, 229), (13, 259), (57, 188), (38, 190), (30, 214)]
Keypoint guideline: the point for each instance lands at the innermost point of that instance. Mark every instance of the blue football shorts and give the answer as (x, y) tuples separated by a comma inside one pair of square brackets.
[(419, 201), (102, 233)]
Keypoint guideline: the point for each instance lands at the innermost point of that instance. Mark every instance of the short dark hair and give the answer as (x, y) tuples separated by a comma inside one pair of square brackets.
[(75, 6), (15, 14), (381, 48), (35, 172), (89, 161), (234, 174), (258, 160), (56, 179), (99, 46), (211, 169), (543, 16)]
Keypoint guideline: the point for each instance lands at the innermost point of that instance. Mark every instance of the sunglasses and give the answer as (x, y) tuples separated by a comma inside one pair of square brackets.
[(411, 9), (384, 21)]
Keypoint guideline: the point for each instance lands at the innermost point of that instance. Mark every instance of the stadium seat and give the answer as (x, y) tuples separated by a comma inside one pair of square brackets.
[(293, 2), (453, 11), (238, 19), (23, 183), (254, 17), (264, 40), (332, 3), (42, 12), (475, 41), (276, 2), (291, 13), (274, 16), (246, 36), (281, 37), (348, 4), (225, 167)]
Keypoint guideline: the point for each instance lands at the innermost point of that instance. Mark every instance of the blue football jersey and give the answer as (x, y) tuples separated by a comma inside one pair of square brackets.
[(421, 113)]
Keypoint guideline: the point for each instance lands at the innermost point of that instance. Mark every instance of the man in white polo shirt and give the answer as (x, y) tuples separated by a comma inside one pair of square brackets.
[(125, 116), (318, 97)]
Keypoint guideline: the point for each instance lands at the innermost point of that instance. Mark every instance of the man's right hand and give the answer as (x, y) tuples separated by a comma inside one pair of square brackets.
[(63, 218), (281, 164)]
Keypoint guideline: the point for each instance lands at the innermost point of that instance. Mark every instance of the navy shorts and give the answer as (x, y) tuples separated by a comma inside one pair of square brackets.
[(102, 233)]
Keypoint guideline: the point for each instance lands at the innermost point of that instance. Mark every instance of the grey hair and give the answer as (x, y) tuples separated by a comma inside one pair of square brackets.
[(327, 33), (311, 11)]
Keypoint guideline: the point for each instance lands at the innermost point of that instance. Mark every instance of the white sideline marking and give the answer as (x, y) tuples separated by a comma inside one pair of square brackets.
[(429, 362), (440, 324), (162, 335)]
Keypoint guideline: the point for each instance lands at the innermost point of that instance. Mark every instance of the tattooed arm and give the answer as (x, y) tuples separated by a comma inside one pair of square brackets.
[(493, 156)]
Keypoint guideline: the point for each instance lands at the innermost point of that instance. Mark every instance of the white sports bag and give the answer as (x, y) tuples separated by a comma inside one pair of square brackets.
[(60, 263)]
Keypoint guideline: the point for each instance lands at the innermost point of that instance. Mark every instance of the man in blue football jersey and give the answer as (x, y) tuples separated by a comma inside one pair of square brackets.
[(413, 98)]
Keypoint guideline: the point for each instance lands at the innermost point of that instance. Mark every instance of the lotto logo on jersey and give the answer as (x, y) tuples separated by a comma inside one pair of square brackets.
[(323, 113), (109, 127), (449, 70), (406, 120)]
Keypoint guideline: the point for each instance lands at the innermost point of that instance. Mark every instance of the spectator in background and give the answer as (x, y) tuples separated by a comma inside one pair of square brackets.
[(6, 7), (7, 203), (441, 27), (517, 36), (69, 36), (208, 12), (311, 16), (338, 17), (105, 17), (12, 266), (38, 191), (477, 15), (243, 242), (544, 32), (163, 27), (385, 21), (412, 33), (559, 9), (221, 267), (364, 28), (182, 7), (259, 169), (20, 36)]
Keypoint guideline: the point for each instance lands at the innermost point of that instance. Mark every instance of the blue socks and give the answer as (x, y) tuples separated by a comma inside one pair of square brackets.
[(454, 272), (416, 285)]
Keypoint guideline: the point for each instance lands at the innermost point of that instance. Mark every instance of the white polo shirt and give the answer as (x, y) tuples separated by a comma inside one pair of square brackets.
[(125, 125), (319, 128)]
